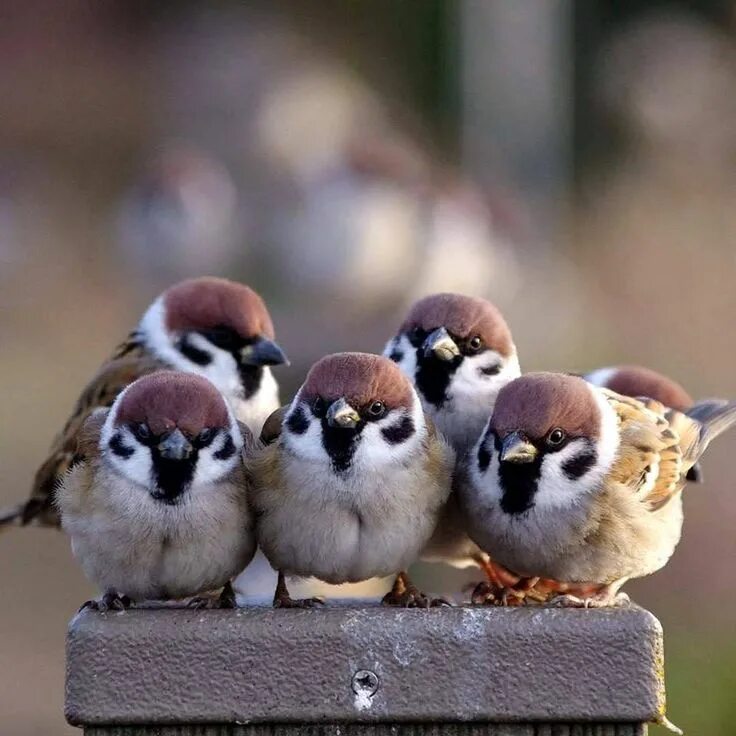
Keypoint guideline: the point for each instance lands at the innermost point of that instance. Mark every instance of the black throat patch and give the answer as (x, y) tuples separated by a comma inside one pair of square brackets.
[(519, 482), (340, 444), (172, 476), (433, 375)]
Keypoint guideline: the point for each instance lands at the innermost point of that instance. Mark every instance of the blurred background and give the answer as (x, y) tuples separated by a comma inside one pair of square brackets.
[(571, 161)]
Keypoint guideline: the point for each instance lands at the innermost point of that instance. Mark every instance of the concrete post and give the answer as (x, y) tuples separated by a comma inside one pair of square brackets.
[(361, 670)]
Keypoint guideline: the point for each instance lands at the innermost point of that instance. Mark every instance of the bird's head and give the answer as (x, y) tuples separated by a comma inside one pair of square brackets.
[(217, 328), (551, 438), (170, 433), (355, 409), (451, 344)]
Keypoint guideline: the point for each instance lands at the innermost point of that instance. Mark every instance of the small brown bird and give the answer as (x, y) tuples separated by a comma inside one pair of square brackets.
[(459, 353), (216, 328), (156, 504), (636, 381), (581, 485), (353, 480)]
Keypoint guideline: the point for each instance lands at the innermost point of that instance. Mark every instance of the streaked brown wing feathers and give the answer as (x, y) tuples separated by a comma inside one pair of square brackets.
[(649, 460), (101, 392)]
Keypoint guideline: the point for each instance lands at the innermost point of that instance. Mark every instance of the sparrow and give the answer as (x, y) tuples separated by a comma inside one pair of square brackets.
[(156, 503), (580, 485), (459, 353), (351, 479), (635, 380), (216, 328)]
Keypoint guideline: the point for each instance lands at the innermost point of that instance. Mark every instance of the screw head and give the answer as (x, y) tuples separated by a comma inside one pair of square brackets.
[(365, 682)]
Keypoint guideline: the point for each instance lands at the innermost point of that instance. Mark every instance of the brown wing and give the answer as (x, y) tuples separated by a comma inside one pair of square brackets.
[(131, 361), (650, 458), (272, 428)]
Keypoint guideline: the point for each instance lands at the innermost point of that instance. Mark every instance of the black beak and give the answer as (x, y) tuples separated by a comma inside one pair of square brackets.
[(515, 448), (263, 352), (175, 446)]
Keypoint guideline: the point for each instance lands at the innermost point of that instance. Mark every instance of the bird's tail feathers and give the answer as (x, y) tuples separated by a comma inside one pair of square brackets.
[(715, 416), (12, 516)]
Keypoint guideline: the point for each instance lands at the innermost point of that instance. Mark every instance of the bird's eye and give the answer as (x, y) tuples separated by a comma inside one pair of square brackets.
[(142, 432), (556, 437), (318, 407), (205, 436), (416, 335), (377, 409), (475, 343)]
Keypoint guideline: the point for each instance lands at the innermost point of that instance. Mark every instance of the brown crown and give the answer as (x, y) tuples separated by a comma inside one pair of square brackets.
[(463, 316), (538, 402), (632, 380), (169, 399), (360, 378), (204, 303)]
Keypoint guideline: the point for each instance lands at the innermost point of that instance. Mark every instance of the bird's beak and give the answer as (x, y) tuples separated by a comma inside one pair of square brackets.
[(516, 449), (441, 345), (342, 415), (263, 352), (175, 446)]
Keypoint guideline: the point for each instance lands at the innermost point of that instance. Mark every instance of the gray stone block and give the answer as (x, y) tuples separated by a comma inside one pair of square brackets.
[(361, 663)]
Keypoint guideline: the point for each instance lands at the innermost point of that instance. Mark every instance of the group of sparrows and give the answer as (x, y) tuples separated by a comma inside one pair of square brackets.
[(177, 462)]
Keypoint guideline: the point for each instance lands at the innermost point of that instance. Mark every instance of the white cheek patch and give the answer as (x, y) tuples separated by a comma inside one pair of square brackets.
[(222, 370), (304, 437), (404, 354), (211, 468), (376, 451), (136, 466), (470, 380), (483, 465), (557, 489)]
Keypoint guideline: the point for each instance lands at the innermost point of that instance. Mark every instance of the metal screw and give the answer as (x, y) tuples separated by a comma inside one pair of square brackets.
[(365, 682)]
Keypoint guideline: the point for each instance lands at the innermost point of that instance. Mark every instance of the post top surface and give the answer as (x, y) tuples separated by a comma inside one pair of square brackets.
[(362, 662)]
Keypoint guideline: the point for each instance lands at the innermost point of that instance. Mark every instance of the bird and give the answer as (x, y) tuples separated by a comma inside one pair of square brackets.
[(459, 353), (156, 504), (635, 381), (213, 327), (581, 486), (351, 479)]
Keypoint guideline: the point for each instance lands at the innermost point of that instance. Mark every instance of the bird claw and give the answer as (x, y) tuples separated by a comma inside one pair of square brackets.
[(412, 598), (108, 602), (487, 594), (225, 600), (286, 601)]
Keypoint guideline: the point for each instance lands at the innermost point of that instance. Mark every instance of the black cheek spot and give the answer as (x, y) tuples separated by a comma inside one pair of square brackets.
[(576, 467), (189, 351), (227, 450), (399, 432), (484, 457), (491, 370), (297, 421), (119, 448)]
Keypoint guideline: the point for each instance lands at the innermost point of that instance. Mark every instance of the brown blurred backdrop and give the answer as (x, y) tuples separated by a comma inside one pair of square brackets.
[(571, 161)]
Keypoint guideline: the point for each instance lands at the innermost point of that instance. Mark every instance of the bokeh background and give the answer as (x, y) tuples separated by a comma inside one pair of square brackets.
[(571, 161)]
